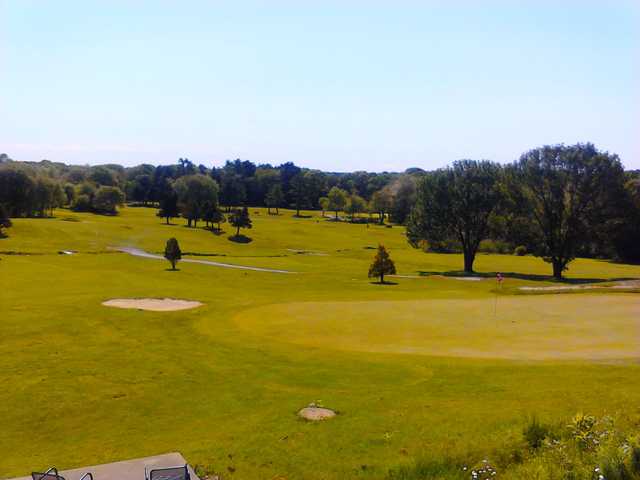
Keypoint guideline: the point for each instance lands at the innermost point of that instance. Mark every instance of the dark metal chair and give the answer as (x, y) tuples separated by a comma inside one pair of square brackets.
[(51, 474), (169, 473)]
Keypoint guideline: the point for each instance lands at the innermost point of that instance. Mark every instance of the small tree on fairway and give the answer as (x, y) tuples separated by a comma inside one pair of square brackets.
[(240, 219), (172, 252), (382, 264)]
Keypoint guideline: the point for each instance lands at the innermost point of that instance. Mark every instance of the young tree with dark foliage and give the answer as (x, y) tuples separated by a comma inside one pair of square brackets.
[(382, 264), (240, 219), (456, 202), (218, 218), (172, 252), (567, 190)]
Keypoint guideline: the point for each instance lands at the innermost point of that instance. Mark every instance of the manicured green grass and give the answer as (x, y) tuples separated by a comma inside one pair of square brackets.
[(81, 383)]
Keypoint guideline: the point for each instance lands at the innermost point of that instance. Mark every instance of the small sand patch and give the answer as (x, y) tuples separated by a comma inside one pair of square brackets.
[(316, 413), (152, 304)]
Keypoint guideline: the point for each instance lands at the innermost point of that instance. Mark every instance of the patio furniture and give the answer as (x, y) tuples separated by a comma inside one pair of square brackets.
[(168, 473), (51, 474)]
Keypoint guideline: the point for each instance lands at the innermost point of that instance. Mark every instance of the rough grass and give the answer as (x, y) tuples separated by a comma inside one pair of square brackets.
[(82, 384)]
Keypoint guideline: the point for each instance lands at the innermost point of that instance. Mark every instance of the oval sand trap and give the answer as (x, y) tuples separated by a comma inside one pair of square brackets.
[(316, 413), (152, 304)]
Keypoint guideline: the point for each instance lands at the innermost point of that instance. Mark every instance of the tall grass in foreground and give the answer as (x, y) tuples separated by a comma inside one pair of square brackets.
[(585, 448)]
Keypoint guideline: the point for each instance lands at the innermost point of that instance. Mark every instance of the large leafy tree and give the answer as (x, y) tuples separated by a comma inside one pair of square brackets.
[(403, 190), (381, 203), (337, 199), (274, 198), (299, 192), (568, 190), (194, 192), (168, 206), (456, 203), (355, 205)]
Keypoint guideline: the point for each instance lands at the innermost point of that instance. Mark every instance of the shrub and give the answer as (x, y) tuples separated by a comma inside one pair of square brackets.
[(107, 199), (82, 203), (535, 433), (445, 246), (583, 430), (494, 246), (520, 251)]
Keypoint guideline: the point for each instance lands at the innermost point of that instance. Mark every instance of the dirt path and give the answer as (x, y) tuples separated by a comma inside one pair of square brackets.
[(136, 252)]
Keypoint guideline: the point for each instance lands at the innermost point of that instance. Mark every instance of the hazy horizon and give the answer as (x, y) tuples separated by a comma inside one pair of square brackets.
[(330, 87)]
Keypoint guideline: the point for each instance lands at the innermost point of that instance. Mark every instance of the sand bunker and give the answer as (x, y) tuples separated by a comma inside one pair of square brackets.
[(152, 304), (316, 413)]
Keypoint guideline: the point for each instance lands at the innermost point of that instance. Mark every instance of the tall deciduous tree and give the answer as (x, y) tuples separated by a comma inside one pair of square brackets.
[(403, 190), (381, 203), (172, 252), (337, 200), (355, 205), (299, 192), (194, 191), (456, 202), (168, 206), (382, 264), (274, 198), (567, 190)]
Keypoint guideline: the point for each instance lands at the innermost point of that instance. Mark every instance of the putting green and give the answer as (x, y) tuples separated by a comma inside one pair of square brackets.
[(577, 326)]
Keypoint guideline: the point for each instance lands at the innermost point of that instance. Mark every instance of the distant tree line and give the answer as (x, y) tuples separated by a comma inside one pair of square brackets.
[(39, 187), (556, 202)]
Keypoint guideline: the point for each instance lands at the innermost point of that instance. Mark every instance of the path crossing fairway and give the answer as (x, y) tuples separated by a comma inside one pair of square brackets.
[(515, 327)]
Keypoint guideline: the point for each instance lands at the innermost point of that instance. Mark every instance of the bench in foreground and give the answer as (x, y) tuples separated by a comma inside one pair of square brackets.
[(125, 470)]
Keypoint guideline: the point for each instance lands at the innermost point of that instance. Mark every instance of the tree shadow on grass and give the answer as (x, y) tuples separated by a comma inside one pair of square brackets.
[(171, 269), (523, 276), (301, 216), (240, 239), (216, 231), (386, 282)]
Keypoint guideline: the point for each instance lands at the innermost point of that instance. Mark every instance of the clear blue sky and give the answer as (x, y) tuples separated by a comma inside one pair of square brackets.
[(337, 85)]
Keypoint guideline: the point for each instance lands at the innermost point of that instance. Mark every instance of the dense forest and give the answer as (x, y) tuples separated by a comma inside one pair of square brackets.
[(556, 202)]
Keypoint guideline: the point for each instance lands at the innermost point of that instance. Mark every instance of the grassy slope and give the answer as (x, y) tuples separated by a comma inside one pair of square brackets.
[(81, 383)]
